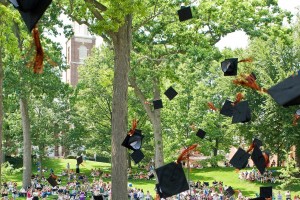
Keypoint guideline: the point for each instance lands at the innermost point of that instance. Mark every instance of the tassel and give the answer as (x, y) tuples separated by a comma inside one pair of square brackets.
[(133, 127), (248, 81), (185, 154), (267, 160), (211, 106), (251, 147), (238, 98), (39, 57), (246, 60), (237, 171)]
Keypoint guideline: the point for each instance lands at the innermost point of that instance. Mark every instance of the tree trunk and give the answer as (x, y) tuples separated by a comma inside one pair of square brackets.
[(216, 147), (26, 143), (1, 112), (122, 46)]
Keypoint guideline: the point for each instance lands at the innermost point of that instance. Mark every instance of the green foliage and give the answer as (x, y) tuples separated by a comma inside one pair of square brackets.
[(289, 173), (8, 169)]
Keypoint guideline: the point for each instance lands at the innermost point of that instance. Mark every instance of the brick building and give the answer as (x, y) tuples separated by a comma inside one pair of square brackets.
[(78, 48)]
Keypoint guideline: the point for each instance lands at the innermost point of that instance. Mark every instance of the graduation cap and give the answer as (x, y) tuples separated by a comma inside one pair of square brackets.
[(265, 192), (137, 156), (240, 159), (100, 197), (229, 192), (185, 13), (286, 92), (133, 142), (229, 66), (206, 183), (157, 104), (171, 177), (259, 159), (257, 142), (159, 191), (171, 180), (170, 93), (52, 181), (31, 10), (227, 108), (79, 160), (241, 112), (201, 133)]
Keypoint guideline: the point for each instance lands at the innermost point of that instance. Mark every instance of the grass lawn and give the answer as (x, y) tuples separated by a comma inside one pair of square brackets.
[(228, 175)]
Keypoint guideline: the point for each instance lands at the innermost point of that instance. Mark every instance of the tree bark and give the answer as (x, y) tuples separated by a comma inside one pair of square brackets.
[(1, 112), (122, 46), (26, 143)]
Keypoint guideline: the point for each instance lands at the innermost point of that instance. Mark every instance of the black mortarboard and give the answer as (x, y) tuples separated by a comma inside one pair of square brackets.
[(257, 142), (185, 13), (137, 156), (79, 160), (241, 112), (229, 192), (171, 179), (206, 183), (258, 159), (31, 10), (227, 109), (52, 181), (240, 159), (265, 192), (157, 104), (287, 92), (100, 197), (170, 93), (229, 66), (201, 133), (135, 141)]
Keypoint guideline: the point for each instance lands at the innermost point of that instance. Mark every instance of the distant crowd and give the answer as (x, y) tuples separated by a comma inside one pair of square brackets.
[(254, 175)]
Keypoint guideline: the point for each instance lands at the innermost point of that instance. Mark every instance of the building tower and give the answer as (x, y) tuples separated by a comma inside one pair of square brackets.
[(78, 48)]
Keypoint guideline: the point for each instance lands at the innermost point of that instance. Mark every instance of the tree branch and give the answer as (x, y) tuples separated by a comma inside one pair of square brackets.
[(141, 97)]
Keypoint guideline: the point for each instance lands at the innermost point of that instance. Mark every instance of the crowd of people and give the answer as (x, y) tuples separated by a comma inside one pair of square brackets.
[(255, 175), (81, 187)]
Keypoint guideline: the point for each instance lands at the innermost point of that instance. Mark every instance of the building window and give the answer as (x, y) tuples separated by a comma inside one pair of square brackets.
[(82, 53)]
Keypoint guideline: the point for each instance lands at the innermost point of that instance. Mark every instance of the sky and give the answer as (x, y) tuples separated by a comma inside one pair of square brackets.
[(239, 39)]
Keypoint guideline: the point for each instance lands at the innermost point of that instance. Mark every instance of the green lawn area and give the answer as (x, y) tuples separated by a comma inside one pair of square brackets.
[(227, 175)]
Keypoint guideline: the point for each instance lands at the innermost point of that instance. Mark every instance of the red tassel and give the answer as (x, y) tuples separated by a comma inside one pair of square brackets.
[(246, 60), (238, 98), (133, 127), (248, 81), (250, 148), (211, 106), (185, 154), (267, 160), (39, 57)]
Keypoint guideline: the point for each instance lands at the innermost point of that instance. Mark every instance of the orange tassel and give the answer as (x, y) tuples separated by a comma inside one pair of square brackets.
[(39, 57), (185, 154), (238, 98), (266, 157), (250, 148), (211, 106), (248, 81), (133, 127), (246, 60), (237, 170)]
